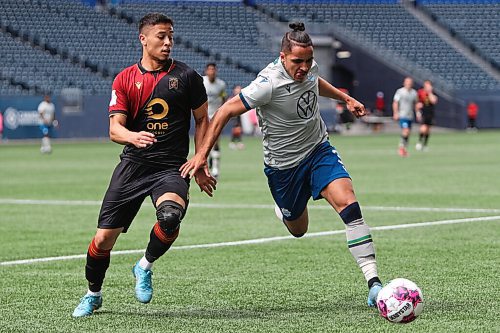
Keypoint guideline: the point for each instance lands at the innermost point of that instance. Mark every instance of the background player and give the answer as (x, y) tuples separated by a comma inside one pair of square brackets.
[(299, 160), (149, 113), (216, 92), (403, 107), (236, 131), (47, 112), (427, 101)]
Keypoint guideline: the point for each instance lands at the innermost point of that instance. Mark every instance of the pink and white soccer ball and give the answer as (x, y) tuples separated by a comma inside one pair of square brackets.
[(400, 301)]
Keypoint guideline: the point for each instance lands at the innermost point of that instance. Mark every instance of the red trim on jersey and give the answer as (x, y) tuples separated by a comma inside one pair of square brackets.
[(133, 88)]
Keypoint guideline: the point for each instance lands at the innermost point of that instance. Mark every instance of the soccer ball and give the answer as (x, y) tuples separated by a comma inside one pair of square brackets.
[(400, 301)]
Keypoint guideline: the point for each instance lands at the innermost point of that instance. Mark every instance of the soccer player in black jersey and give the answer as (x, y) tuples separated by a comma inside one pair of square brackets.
[(150, 113)]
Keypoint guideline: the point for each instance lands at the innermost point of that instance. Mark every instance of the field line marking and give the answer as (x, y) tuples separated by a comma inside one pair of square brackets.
[(7, 201), (261, 240)]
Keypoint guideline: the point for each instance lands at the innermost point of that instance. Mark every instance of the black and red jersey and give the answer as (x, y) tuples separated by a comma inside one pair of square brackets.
[(160, 102), (427, 106)]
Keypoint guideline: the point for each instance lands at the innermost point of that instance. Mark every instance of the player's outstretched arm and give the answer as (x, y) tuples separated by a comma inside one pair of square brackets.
[(327, 90), (120, 134), (233, 107)]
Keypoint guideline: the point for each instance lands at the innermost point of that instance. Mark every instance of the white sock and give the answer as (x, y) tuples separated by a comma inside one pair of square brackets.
[(145, 264), (369, 269), (94, 293)]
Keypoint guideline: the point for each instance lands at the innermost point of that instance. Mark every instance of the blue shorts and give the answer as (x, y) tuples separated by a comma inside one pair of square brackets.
[(46, 130), (405, 123), (292, 188)]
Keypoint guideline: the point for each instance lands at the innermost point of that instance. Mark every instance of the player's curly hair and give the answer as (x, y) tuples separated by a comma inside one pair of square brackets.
[(296, 37), (154, 19)]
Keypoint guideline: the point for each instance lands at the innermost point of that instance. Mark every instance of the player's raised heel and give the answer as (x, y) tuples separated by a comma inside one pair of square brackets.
[(88, 304), (373, 293), (143, 283)]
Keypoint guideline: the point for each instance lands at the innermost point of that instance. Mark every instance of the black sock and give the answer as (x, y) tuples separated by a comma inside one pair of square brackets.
[(159, 242), (95, 269), (426, 138), (372, 281)]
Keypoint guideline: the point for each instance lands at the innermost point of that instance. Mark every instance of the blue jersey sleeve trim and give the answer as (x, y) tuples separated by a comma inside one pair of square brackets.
[(245, 103)]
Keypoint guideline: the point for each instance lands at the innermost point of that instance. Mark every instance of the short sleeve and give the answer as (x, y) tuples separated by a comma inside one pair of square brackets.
[(119, 99), (197, 92), (397, 96), (257, 93)]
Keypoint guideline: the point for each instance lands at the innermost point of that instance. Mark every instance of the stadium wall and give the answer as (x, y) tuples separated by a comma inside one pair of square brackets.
[(372, 75)]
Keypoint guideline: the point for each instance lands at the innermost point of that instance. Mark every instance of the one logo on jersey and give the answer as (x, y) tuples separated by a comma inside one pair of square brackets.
[(157, 109), (114, 98), (287, 87), (173, 83), (306, 104), (138, 84), (263, 79)]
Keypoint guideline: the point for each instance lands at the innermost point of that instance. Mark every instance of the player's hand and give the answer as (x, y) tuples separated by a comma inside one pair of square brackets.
[(355, 107), (205, 181), (194, 164), (142, 139)]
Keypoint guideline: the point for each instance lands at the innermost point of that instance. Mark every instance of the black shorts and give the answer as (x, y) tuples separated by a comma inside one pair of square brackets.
[(427, 117), (130, 184), (427, 120)]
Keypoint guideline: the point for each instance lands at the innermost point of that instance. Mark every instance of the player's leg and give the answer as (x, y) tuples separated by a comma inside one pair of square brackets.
[(405, 136), (291, 192), (119, 207), (214, 160), (45, 148), (330, 180), (421, 135), (97, 263), (170, 197), (340, 194), (297, 227), (426, 131)]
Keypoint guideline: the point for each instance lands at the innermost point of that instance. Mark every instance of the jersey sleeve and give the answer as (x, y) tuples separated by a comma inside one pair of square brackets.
[(197, 91), (397, 96), (119, 99), (257, 93)]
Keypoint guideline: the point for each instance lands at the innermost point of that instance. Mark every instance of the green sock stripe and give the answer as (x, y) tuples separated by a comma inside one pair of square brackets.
[(359, 240)]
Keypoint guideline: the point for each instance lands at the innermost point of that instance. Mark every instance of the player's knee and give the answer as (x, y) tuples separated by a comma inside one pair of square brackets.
[(169, 214), (297, 235)]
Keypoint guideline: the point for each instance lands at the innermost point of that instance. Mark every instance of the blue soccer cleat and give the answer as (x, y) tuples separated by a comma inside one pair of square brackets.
[(88, 304), (143, 283), (373, 293)]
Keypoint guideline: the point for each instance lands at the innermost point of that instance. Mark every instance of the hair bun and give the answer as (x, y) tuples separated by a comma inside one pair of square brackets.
[(297, 26)]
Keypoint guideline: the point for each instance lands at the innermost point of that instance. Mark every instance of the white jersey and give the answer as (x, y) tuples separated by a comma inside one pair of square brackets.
[(216, 93), (406, 100), (47, 111), (288, 114)]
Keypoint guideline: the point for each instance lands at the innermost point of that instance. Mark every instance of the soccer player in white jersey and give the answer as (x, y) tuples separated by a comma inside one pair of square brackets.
[(403, 110), (299, 160), (216, 93), (46, 111)]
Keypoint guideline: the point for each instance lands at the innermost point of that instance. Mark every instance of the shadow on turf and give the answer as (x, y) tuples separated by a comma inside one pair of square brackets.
[(199, 313)]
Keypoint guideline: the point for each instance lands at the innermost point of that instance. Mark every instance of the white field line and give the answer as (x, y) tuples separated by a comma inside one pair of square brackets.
[(253, 206), (261, 240)]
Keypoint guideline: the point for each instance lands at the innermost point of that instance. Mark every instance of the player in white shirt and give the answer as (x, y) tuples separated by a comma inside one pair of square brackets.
[(47, 111), (403, 108), (216, 93), (299, 161)]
